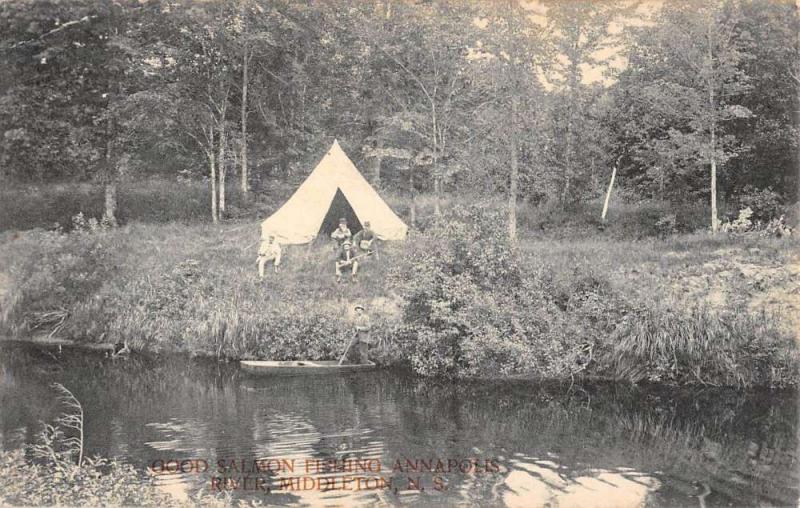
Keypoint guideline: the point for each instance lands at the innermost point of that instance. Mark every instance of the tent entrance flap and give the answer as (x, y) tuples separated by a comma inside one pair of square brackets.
[(339, 208)]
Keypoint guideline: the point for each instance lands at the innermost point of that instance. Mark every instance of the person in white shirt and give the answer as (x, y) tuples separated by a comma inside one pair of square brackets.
[(342, 233), (270, 250)]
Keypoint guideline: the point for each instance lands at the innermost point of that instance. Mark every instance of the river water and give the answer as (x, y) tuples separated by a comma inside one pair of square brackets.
[(387, 437)]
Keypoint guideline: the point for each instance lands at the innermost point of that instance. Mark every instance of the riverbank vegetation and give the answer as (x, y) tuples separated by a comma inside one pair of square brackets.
[(455, 300)]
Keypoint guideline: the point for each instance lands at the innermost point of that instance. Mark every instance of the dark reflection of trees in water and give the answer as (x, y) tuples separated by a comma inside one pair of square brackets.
[(742, 445), (691, 435)]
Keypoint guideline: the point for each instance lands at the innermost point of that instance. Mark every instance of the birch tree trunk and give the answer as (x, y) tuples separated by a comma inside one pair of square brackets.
[(243, 156), (222, 168), (608, 193), (436, 181), (714, 219), (713, 147), (110, 177), (512, 187), (213, 167)]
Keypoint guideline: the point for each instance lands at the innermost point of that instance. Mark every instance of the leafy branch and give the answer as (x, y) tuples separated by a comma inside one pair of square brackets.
[(54, 444)]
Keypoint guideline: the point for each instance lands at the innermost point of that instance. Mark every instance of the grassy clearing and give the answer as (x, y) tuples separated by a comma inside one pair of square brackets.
[(595, 305)]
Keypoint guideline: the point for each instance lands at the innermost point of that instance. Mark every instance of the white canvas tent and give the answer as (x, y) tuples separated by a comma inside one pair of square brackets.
[(334, 182)]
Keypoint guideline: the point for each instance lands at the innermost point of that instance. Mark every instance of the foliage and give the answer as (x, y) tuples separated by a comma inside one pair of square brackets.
[(54, 444), (764, 204), (689, 345), (742, 224), (419, 93), (777, 228), (99, 482), (65, 269), (470, 308), (666, 225)]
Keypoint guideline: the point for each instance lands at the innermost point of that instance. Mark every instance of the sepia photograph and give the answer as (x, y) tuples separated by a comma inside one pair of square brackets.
[(390, 253)]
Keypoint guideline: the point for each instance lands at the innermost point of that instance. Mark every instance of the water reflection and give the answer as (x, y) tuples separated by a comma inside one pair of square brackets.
[(612, 445)]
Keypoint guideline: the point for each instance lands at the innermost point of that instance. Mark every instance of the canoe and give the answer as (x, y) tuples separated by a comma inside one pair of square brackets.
[(302, 367)]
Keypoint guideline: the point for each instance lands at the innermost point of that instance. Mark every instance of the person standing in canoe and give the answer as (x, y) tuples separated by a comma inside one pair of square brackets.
[(363, 340), (270, 250)]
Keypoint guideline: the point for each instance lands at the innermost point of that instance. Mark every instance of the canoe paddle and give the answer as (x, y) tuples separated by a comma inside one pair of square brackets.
[(346, 350)]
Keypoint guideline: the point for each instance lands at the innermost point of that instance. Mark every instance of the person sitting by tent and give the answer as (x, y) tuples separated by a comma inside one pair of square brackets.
[(269, 250), (365, 239), (347, 257), (342, 233)]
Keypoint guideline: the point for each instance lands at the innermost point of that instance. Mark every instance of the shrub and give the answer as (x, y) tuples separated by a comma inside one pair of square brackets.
[(765, 204), (99, 483), (667, 225), (742, 224), (470, 309)]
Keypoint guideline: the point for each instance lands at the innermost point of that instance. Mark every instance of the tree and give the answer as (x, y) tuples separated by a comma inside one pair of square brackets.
[(425, 50), (581, 38), (686, 70), (75, 71), (201, 87), (771, 134), (506, 73)]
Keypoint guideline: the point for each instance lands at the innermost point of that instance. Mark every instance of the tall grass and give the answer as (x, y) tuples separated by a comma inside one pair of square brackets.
[(697, 345)]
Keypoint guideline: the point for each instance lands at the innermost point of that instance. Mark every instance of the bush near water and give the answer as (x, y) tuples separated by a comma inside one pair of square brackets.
[(456, 300)]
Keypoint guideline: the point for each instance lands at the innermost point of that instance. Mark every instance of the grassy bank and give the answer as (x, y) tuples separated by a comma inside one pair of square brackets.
[(685, 309)]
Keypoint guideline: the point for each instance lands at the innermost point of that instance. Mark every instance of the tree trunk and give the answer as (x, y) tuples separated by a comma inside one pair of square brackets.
[(608, 193), (110, 217), (110, 177), (377, 160), (413, 211), (567, 160), (714, 220), (221, 167), (512, 187), (437, 210), (245, 176), (712, 112), (213, 167), (796, 170)]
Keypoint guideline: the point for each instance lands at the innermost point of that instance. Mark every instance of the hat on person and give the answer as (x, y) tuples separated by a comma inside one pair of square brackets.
[(347, 242), (342, 221), (359, 306)]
